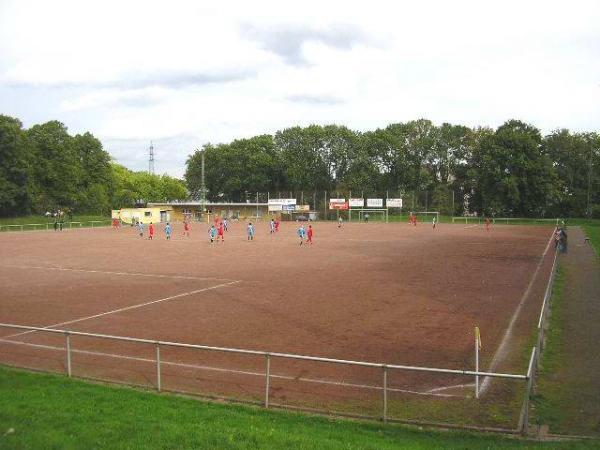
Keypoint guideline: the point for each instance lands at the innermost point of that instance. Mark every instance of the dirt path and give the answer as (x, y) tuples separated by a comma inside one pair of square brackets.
[(575, 389)]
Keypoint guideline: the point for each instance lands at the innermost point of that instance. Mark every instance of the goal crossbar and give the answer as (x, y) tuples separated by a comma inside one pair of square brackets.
[(362, 211)]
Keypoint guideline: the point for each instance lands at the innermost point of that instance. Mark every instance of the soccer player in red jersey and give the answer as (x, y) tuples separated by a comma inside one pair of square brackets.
[(309, 235), (220, 232), (151, 231)]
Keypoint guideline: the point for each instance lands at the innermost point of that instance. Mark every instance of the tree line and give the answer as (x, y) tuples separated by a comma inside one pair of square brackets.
[(510, 171), (44, 168)]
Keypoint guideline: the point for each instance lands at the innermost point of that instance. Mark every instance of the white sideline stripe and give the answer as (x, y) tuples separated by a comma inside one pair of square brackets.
[(240, 372), (471, 226), (132, 274), (445, 388), (502, 348), (127, 308)]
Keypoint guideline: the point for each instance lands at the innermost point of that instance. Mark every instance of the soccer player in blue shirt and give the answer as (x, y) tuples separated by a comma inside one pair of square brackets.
[(301, 234)]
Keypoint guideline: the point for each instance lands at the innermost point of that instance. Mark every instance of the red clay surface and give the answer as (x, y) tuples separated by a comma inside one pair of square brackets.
[(384, 293)]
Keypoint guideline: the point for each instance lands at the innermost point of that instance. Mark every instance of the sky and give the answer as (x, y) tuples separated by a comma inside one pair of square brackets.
[(185, 73)]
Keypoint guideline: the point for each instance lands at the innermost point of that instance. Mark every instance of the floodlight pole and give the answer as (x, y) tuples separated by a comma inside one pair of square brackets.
[(349, 207), (203, 189), (589, 189), (452, 202), (151, 160)]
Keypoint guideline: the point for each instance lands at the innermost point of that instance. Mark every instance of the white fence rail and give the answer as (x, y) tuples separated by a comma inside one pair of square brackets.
[(50, 225), (385, 368), (504, 220), (538, 348)]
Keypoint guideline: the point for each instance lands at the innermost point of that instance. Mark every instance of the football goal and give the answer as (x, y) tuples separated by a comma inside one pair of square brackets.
[(427, 216), (368, 215)]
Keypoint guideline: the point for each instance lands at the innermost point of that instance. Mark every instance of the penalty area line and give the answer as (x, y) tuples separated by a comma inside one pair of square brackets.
[(127, 308), (107, 272)]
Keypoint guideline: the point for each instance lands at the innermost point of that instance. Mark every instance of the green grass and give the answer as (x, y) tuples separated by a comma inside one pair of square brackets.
[(593, 223), (592, 230), (555, 402), (45, 411), (550, 394)]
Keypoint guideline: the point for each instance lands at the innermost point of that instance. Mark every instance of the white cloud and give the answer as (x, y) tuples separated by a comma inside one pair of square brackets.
[(184, 73)]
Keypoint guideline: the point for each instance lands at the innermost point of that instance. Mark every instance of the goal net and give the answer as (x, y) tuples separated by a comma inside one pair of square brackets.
[(427, 216), (368, 215)]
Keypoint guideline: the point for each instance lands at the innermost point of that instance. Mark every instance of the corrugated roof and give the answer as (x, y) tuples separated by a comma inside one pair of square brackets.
[(156, 204)]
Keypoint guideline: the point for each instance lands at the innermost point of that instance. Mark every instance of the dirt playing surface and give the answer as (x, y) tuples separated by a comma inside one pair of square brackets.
[(384, 293)]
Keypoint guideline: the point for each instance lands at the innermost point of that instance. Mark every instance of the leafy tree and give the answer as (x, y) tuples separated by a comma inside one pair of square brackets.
[(514, 176), (573, 157), (508, 171), (56, 170), (96, 176), (15, 175)]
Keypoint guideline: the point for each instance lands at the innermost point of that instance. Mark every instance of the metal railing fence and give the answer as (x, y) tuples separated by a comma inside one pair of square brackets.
[(50, 225), (268, 356), (505, 220), (534, 363)]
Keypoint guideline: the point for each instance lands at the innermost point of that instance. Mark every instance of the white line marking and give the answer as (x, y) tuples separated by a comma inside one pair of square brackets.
[(132, 274), (503, 347), (127, 308), (445, 388), (239, 372), (471, 226)]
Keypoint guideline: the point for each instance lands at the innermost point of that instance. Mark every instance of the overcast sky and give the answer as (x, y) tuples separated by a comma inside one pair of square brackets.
[(183, 73)]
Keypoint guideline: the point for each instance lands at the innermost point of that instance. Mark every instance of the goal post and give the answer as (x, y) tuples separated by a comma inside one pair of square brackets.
[(369, 214), (428, 215)]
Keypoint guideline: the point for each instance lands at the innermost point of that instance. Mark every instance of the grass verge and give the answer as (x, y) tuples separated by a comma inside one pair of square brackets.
[(565, 396), (551, 392), (49, 411), (593, 233)]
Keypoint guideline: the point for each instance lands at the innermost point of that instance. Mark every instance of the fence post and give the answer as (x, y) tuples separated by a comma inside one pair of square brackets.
[(525, 424), (476, 367), (384, 393), (524, 417), (267, 373), (158, 383), (68, 338), (541, 342)]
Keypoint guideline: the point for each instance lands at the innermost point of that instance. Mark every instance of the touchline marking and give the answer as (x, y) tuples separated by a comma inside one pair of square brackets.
[(127, 308), (502, 348), (133, 274), (431, 393), (445, 388), (471, 226)]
